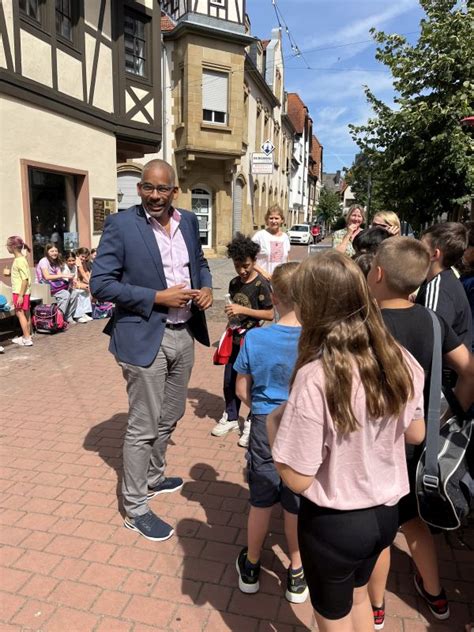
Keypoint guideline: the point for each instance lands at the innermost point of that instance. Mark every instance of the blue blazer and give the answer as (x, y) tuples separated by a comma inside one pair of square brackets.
[(128, 271)]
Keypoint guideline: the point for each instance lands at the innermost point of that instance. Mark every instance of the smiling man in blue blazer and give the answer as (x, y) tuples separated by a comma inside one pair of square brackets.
[(151, 265)]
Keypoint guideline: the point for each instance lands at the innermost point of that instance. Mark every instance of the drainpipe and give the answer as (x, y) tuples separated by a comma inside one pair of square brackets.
[(164, 65)]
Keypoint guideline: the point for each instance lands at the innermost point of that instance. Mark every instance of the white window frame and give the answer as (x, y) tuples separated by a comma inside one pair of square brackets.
[(210, 114)]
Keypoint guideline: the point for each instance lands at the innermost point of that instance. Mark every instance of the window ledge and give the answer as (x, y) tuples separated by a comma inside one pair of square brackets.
[(216, 127)]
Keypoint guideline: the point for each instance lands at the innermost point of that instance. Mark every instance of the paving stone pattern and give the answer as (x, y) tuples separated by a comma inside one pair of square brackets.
[(68, 564)]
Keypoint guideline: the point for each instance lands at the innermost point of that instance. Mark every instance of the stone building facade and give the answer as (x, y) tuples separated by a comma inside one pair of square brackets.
[(299, 207), (204, 60), (266, 120), (213, 157)]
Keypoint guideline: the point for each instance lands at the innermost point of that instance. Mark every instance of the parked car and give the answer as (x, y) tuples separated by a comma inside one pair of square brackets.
[(300, 234)]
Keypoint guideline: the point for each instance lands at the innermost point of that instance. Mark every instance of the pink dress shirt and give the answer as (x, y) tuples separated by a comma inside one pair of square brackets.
[(175, 259)]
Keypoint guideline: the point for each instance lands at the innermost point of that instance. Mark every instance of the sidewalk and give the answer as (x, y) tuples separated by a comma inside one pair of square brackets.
[(68, 564)]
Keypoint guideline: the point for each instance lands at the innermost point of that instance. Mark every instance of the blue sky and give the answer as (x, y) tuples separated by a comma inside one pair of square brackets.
[(334, 38)]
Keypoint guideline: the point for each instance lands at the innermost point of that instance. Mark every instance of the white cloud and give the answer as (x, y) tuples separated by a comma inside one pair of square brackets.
[(341, 87), (360, 28)]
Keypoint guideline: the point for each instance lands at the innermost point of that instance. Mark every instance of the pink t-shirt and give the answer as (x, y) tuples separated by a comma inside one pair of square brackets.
[(357, 470)]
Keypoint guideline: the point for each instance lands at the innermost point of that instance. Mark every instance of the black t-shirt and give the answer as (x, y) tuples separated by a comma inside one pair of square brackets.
[(445, 295), (255, 295), (412, 327)]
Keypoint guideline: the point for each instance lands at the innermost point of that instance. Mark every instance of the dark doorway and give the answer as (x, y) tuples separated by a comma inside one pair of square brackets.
[(53, 209)]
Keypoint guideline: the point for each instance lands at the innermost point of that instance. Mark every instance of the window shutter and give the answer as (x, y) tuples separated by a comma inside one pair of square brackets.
[(214, 91)]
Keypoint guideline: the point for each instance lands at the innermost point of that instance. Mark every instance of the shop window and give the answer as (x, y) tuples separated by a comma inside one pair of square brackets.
[(53, 208), (135, 39), (214, 96)]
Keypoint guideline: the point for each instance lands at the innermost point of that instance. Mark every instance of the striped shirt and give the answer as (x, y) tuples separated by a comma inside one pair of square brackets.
[(445, 295)]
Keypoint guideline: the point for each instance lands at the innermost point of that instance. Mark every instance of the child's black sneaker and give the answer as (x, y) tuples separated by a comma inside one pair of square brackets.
[(379, 617), (438, 604), (248, 573), (296, 586)]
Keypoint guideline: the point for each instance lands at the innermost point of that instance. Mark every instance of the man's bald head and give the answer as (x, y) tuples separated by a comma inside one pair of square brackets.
[(159, 165)]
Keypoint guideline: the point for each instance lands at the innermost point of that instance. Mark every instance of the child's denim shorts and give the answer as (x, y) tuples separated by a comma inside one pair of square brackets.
[(265, 485)]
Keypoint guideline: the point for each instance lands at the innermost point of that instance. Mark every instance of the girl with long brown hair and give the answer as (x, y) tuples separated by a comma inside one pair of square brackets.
[(356, 397)]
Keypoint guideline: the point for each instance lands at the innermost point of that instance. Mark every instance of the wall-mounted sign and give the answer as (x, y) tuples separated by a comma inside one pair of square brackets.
[(261, 164), (268, 147), (101, 207)]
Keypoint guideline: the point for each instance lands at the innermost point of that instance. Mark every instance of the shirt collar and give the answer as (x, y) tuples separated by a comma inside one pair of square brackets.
[(176, 215)]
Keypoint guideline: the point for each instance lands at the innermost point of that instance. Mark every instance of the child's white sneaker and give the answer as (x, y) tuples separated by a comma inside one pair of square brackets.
[(22, 342), (244, 437), (82, 319), (223, 426)]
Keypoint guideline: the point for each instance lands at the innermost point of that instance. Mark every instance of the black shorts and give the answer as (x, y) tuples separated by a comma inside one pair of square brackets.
[(265, 485), (339, 550)]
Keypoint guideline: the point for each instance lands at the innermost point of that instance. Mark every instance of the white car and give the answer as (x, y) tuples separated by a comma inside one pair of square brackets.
[(300, 234)]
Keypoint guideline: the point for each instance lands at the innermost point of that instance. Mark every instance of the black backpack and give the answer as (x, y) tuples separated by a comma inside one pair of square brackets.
[(444, 476)]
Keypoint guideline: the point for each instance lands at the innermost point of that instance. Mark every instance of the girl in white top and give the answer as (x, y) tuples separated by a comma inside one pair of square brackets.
[(79, 289), (274, 243)]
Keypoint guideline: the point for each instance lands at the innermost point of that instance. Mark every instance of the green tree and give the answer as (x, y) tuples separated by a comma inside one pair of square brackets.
[(419, 156), (328, 206)]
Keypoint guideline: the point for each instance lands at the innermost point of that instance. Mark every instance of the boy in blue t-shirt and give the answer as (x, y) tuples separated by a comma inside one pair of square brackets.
[(264, 367)]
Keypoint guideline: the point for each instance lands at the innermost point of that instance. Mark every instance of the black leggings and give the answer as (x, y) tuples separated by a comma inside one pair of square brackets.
[(339, 550)]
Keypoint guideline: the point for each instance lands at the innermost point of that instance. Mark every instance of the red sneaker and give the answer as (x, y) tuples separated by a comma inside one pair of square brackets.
[(379, 617), (438, 604)]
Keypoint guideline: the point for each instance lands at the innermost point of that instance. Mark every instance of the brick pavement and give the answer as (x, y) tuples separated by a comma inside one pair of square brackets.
[(67, 562)]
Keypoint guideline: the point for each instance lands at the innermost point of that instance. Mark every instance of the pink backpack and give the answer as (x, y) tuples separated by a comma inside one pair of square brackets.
[(48, 319)]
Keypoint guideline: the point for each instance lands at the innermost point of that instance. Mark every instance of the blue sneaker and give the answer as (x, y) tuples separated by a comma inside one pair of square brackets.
[(167, 485), (149, 526)]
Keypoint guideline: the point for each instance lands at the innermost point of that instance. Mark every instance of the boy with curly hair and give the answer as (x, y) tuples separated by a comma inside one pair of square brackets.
[(251, 303)]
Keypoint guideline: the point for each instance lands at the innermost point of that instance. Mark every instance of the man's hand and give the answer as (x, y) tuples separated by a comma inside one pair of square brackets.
[(204, 298), (176, 296), (235, 310)]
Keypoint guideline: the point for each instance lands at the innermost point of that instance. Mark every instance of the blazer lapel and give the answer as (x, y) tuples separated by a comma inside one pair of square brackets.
[(150, 241), (189, 241)]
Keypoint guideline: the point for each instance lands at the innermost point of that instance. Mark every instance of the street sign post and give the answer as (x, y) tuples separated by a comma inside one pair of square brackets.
[(262, 164)]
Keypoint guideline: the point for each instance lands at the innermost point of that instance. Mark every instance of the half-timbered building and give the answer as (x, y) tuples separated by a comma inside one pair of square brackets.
[(80, 91)]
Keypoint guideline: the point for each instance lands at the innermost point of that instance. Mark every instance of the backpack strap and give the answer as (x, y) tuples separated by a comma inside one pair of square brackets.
[(431, 473)]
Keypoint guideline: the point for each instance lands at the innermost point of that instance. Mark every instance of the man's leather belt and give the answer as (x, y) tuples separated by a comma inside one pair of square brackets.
[(175, 325)]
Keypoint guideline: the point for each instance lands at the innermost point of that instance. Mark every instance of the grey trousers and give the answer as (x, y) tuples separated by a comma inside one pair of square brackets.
[(67, 302), (157, 401)]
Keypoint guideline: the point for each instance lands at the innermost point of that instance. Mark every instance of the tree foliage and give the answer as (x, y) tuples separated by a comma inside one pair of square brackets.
[(328, 206), (418, 154)]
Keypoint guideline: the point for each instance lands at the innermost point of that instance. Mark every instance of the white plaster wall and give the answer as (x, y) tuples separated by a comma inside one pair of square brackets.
[(53, 139), (233, 15), (103, 92), (91, 16), (36, 59), (69, 75)]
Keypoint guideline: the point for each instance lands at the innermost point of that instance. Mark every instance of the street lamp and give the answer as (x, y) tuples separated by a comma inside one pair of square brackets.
[(119, 195)]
